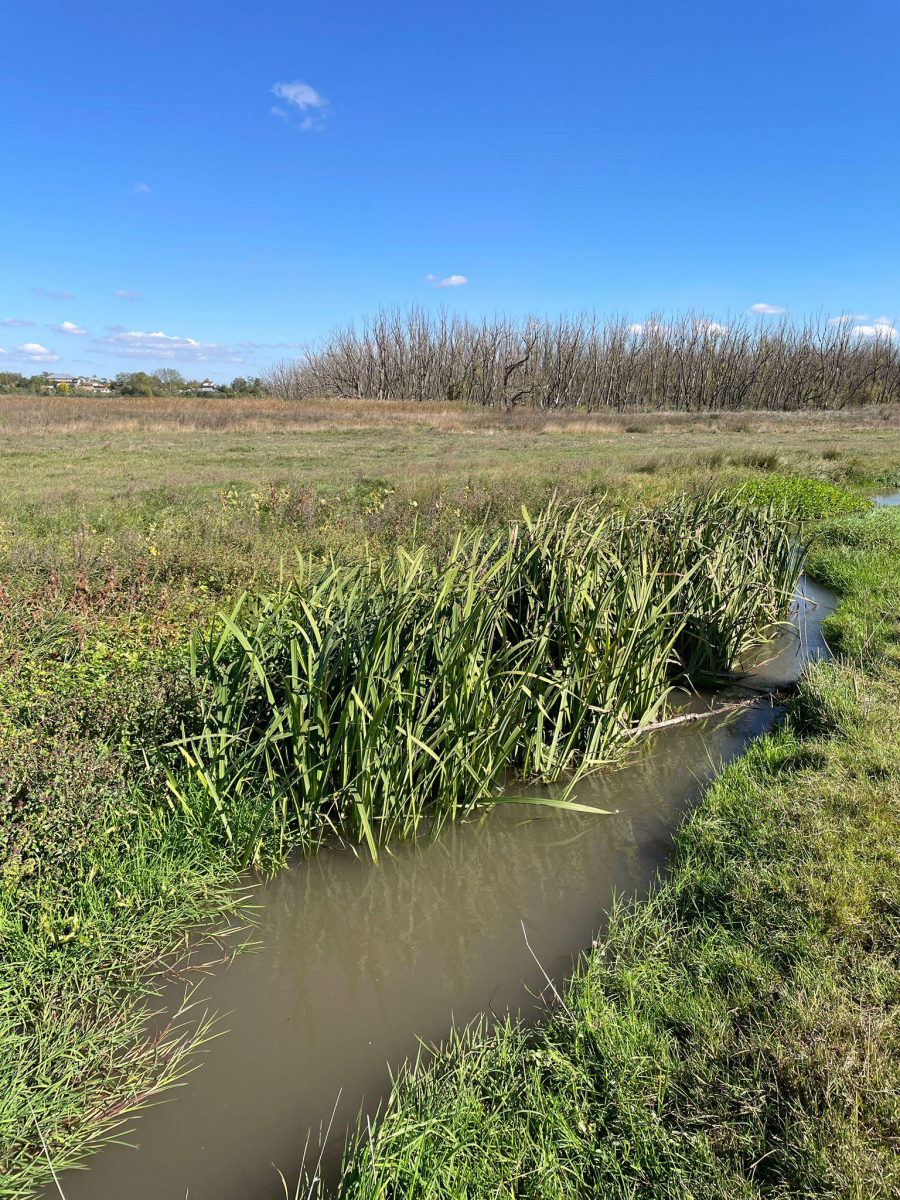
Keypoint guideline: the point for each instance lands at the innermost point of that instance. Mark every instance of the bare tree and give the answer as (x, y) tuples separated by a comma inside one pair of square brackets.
[(687, 363)]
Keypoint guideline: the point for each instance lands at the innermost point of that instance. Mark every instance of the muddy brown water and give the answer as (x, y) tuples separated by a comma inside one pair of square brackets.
[(358, 962)]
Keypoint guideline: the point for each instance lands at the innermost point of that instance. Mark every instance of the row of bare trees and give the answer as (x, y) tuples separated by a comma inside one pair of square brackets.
[(689, 363)]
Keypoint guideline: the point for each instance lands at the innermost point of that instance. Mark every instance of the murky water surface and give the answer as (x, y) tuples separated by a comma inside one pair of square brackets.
[(359, 962)]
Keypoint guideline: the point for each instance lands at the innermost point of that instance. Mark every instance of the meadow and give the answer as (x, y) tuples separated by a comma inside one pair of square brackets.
[(175, 574)]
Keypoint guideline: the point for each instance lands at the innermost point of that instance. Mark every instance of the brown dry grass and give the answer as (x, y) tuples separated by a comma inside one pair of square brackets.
[(42, 414)]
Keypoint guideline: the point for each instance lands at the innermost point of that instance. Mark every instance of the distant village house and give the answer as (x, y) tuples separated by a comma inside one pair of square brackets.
[(82, 383)]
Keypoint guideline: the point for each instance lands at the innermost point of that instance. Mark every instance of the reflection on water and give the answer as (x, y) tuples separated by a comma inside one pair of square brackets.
[(359, 962)]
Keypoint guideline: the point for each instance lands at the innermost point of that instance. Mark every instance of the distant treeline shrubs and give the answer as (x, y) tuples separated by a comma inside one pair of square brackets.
[(689, 363), (165, 382)]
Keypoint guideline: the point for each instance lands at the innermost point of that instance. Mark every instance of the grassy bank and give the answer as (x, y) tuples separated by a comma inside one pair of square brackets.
[(736, 1034)]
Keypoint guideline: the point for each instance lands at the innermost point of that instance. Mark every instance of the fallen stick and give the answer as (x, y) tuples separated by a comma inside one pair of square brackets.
[(686, 718)]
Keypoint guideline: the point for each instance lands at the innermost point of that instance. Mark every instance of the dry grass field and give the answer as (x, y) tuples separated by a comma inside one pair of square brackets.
[(82, 452)]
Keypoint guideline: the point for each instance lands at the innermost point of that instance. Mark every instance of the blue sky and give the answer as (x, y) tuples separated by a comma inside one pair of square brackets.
[(206, 185)]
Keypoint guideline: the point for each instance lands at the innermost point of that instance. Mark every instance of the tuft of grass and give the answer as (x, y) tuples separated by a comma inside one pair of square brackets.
[(100, 885)]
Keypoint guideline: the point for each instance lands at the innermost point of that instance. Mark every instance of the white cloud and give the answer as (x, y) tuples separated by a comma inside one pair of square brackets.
[(132, 343), (139, 189), (711, 326), (299, 95), (847, 318), (640, 327), (766, 310), (450, 281), (16, 323), (53, 295), (882, 328), (70, 328), (123, 295), (252, 346), (35, 352)]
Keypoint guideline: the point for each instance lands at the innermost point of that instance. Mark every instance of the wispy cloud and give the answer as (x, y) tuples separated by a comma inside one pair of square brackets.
[(133, 343), (309, 102), (766, 310), (139, 189), (848, 318), (251, 346), (17, 323), (70, 328), (34, 352), (124, 295), (450, 281), (54, 295)]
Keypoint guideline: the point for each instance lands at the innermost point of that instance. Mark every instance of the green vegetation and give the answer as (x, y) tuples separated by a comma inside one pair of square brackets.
[(859, 560), (735, 1034), (361, 700), (99, 881), (358, 700), (124, 527), (164, 382), (803, 499)]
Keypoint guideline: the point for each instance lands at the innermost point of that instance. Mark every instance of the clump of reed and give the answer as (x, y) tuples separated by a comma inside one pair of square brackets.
[(360, 700)]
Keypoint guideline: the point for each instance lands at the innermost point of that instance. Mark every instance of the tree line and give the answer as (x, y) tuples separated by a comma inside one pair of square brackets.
[(164, 382), (688, 363)]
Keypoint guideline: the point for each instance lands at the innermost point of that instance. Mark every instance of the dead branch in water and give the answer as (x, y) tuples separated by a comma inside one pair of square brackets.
[(732, 706)]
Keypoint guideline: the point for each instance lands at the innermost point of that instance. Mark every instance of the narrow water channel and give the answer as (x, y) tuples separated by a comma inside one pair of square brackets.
[(357, 963)]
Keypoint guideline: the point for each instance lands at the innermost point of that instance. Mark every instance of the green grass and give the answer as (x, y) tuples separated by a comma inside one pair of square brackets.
[(98, 884), (802, 498), (735, 1034), (222, 491), (858, 559)]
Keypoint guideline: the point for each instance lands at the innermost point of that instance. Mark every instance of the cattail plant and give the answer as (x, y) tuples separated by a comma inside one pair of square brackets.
[(361, 701)]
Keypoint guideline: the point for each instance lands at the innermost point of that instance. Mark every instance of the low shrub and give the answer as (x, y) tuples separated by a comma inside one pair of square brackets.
[(801, 499)]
